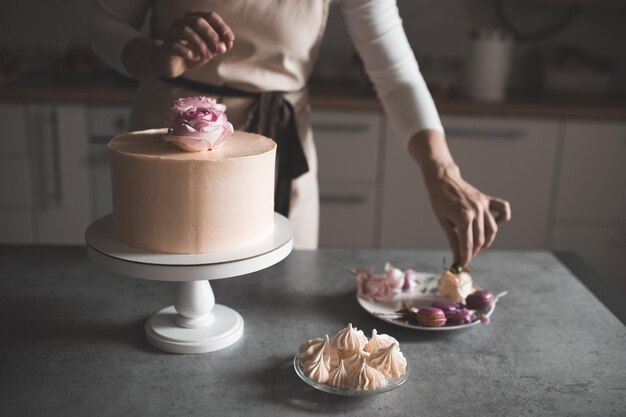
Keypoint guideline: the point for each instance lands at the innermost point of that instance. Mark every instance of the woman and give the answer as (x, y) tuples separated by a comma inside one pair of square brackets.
[(237, 49)]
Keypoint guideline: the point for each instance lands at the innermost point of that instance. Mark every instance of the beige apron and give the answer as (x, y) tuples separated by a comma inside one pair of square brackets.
[(276, 42)]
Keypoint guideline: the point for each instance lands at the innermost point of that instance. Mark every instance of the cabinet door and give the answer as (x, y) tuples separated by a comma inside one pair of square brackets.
[(347, 216), (505, 157), (59, 142), (15, 180), (593, 172), (347, 145), (105, 122), (602, 247), (13, 137)]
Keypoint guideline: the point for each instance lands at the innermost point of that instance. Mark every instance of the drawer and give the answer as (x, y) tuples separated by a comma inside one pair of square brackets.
[(13, 128), (16, 227), (604, 248), (347, 145), (592, 182), (14, 183), (107, 122), (347, 216)]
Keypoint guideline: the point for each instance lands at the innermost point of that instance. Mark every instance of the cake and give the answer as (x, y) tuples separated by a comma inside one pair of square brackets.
[(168, 199)]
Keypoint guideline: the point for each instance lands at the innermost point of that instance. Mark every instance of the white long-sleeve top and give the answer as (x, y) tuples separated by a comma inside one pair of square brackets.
[(374, 26)]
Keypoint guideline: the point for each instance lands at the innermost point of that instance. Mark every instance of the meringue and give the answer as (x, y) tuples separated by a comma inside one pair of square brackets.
[(389, 361), (455, 287), (367, 378), (339, 377), (310, 349), (317, 370), (353, 360), (378, 342), (349, 339)]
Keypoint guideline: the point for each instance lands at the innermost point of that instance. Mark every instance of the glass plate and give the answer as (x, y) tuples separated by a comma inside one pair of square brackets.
[(391, 383)]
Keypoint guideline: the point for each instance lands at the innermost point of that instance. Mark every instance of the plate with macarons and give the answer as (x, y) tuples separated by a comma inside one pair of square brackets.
[(425, 301)]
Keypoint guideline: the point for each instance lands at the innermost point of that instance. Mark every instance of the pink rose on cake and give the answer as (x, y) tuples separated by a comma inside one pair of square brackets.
[(199, 124)]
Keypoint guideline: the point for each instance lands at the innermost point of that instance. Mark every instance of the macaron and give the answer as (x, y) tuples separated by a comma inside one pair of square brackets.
[(479, 300), (446, 305), (460, 316), (431, 317)]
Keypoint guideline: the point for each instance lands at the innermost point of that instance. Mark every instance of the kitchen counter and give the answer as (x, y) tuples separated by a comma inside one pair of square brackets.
[(73, 342), (333, 96)]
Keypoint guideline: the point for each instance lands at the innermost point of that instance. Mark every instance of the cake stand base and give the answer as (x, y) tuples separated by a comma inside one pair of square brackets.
[(163, 331), (194, 324)]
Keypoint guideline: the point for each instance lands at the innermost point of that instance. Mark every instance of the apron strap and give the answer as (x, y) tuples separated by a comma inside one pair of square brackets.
[(273, 116)]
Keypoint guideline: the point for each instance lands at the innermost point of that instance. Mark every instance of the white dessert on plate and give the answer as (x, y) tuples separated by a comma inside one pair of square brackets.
[(351, 362)]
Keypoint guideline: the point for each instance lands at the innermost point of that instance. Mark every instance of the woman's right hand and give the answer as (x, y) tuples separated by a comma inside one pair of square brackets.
[(193, 40)]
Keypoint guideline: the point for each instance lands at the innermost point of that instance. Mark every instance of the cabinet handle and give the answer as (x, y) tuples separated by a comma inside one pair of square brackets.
[(485, 133), (48, 159), (340, 127), (619, 240), (350, 199)]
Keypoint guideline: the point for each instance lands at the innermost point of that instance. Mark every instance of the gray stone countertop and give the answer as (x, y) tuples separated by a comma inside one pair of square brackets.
[(73, 342)]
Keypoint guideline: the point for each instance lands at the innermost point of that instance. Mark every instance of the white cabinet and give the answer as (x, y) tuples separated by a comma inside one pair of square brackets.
[(43, 181), (349, 167), (105, 122), (593, 172), (15, 177), (590, 214), (505, 157), (58, 138)]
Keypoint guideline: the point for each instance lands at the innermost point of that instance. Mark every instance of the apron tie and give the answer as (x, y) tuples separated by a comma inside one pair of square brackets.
[(273, 116)]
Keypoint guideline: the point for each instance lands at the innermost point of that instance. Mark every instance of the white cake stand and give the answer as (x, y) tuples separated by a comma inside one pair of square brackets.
[(194, 324)]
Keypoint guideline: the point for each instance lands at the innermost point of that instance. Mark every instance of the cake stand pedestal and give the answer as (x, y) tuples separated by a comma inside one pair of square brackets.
[(194, 324)]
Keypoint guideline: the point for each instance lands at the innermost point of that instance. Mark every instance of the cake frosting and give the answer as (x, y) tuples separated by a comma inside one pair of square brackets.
[(169, 200), (389, 360)]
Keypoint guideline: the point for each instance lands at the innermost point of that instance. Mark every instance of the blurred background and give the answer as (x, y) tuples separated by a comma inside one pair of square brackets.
[(532, 94)]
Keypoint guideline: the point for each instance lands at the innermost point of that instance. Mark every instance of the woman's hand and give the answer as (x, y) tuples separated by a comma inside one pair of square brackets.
[(469, 217), (193, 40)]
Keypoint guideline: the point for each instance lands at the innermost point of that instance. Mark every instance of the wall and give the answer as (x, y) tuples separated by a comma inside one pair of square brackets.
[(42, 29)]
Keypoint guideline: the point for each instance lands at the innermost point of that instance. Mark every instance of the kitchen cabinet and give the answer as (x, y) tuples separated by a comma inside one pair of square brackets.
[(105, 122), (505, 157), (15, 177), (590, 210), (43, 182), (58, 138), (348, 148)]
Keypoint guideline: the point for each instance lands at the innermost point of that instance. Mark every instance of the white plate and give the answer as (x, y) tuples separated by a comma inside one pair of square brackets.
[(422, 295), (391, 383)]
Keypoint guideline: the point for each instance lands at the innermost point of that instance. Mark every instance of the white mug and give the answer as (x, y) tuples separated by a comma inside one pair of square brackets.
[(488, 64)]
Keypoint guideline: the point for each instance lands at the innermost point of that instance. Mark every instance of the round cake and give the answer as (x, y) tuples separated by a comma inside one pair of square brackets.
[(172, 201)]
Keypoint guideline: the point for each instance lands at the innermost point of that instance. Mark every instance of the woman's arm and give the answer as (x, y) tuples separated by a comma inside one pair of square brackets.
[(193, 39), (114, 23), (469, 217), (463, 211)]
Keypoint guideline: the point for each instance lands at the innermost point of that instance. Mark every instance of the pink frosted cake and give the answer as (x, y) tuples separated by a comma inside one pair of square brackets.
[(197, 187)]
